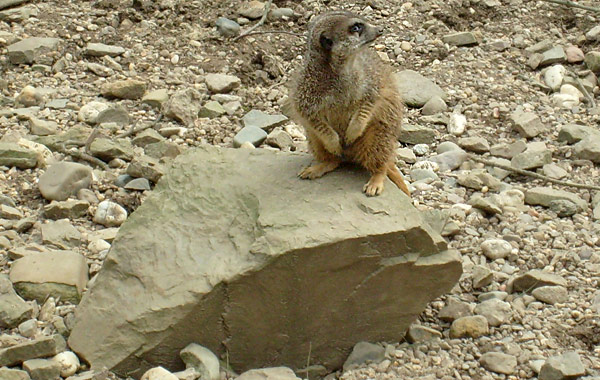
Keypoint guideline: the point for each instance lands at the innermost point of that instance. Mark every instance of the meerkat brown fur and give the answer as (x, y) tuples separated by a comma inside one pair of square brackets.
[(346, 99)]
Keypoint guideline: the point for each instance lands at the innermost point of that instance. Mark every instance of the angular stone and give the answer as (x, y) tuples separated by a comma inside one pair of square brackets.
[(227, 27), (544, 196), (275, 373), (211, 110), (488, 205), (140, 184), (13, 374), (535, 156), (588, 149), (279, 138), (482, 276), (38, 348), (115, 113), (553, 55), (61, 274), (551, 294), (472, 326), (508, 150), (554, 171), (156, 98), (13, 309), (69, 209), (262, 120), (12, 154), (61, 234), (573, 133), (124, 89), (64, 179), (221, 83), (42, 369), (499, 362), (75, 136), (527, 124), (592, 61), (10, 3), (238, 234), (460, 39), (419, 334), (202, 360), (11, 213), (184, 106), (107, 149), (454, 309), (146, 167), (564, 367), (495, 311), (163, 149), (32, 50), (536, 278), (148, 136), (477, 179), (252, 9), (416, 90), (99, 50), (251, 134), (474, 144), (363, 353), (416, 134), (449, 160), (434, 106), (40, 127)]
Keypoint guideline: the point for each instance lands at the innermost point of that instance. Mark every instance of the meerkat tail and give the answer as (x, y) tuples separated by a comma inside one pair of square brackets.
[(395, 176)]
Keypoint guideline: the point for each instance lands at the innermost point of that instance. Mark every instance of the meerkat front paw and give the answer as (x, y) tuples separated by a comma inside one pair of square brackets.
[(334, 146), (375, 185), (354, 131), (318, 170)]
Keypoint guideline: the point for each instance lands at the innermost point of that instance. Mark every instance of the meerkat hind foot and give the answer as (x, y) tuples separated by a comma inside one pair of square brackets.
[(318, 170), (375, 185)]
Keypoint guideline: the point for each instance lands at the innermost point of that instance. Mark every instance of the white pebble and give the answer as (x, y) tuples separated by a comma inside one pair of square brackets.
[(110, 214), (69, 363), (158, 373)]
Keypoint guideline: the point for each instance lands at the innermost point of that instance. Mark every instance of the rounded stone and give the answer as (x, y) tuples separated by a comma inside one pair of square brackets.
[(110, 214), (69, 363), (495, 249), (64, 179)]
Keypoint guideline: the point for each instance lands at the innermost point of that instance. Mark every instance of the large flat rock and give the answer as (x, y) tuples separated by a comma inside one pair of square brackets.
[(232, 251)]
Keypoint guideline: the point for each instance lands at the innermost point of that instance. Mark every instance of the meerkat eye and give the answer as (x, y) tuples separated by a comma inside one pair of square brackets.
[(357, 28), (326, 43)]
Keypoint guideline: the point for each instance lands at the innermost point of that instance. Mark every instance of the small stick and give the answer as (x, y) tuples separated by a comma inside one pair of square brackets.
[(90, 140), (573, 4), (589, 97), (532, 174), (259, 23), (134, 130), (83, 156)]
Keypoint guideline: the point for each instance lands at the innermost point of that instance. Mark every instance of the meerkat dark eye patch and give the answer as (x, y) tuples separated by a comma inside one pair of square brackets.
[(357, 28), (326, 43)]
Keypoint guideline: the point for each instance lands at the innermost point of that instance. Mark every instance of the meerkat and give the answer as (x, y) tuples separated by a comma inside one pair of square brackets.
[(346, 99)]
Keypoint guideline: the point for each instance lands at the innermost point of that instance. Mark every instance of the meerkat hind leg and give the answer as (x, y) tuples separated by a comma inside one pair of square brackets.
[(318, 170), (375, 185)]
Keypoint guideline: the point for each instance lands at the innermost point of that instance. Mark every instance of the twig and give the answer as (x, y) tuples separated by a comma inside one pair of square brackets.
[(532, 174), (587, 95), (259, 23), (134, 130), (82, 156), (572, 4), (90, 140), (270, 32)]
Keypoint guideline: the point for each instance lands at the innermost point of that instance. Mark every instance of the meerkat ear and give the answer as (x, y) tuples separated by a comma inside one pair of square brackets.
[(326, 43)]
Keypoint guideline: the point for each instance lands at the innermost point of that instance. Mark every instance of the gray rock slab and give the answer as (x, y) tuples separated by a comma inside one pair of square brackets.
[(64, 179), (221, 83), (262, 120), (460, 39), (42, 127), (61, 274), (12, 154), (544, 196), (108, 149), (449, 160), (124, 89), (527, 124), (115, 113), (139, 184), (183, 106), (211, 110), (416, 134), (13, 374), (75, 136), (156, 98), (551, 294), (470, 326), (364, 353), (38, 348), (532, 157), (18, 14), (69, 209), (499, 362), (588, 149), (274, 373), (148, 136), (32, 50), (227, 27), (267, 253), (573, 133), (251, 134), (535, 278), (496, 312), (416, 90), (146, 167), (13, 309), (60, 234), (563, 367), (42, 369), (99, 50), (553, 55), (419, 334), (592, 61), (474, 144), (10, 3)]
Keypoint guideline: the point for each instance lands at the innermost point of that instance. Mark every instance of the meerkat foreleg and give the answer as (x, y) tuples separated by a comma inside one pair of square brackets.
[(375, 185), (328, 137), (358, 122), (326, 161)]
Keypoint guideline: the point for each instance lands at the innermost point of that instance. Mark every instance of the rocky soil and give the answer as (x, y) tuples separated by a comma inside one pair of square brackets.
[(96, 97)]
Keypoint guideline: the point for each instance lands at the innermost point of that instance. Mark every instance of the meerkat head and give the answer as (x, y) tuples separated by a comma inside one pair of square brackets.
[(337, 36)]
